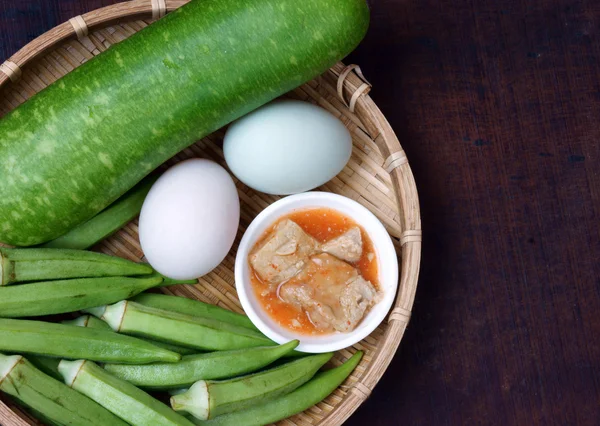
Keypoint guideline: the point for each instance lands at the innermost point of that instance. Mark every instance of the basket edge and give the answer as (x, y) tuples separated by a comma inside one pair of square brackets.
[(78, 26), (408, 203)]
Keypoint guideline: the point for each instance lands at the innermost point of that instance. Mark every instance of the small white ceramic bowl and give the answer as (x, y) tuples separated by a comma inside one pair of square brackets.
[(386, 257)]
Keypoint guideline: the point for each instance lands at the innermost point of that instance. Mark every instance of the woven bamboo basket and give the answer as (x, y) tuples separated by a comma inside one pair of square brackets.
[(377, 176)]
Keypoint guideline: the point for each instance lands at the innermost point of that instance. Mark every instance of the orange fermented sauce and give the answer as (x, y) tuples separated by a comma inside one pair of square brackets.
[(323, 224)]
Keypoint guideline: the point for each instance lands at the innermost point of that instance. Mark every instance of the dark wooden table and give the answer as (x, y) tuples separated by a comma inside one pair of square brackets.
[(497, 104)]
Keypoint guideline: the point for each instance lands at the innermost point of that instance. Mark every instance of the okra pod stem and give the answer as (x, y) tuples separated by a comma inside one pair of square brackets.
[(40, 264), (186, 306), (196, 332), (214, 365), (64, 341), (209, 399), (307, 395), (88, 321), (48, 398), (57, 297), (108, 221), (121, 398)]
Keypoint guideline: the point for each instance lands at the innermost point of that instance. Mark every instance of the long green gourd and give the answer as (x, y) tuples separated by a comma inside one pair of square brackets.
[(108, 221), (77, 146), (49, 399)]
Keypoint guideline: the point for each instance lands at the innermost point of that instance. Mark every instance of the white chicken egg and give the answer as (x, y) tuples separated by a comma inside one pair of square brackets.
[(287, 147), (189, 219)]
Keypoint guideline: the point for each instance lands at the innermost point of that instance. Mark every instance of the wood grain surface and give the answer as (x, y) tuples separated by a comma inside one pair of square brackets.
[(497, 104)]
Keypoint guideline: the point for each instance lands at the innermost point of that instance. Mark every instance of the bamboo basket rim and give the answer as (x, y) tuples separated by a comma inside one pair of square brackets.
[(353, 90)]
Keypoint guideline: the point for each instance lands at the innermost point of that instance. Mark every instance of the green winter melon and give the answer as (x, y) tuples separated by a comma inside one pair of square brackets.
[(75, 147)]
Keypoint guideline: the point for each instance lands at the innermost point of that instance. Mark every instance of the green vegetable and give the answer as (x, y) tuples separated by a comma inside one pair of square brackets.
[(183, 305), (65, 341), (108, 221), (181, 350), (215, 365), (93, 322), (88, 321), (123, 399), (171, 281), (48, 398), (56, 297), (201, 333), (18, 265), (209, 399), (295, 402), (46, 365), (50, 365), (81, 143)]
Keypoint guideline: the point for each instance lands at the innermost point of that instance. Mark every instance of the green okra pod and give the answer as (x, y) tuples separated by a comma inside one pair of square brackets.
[(65, 341), (49, 365), (118, 396), (40, 264), (196, 332), (108, 221), (171, 281), (184, 305), (88, 321), (57, 297), (93, 322), (181, 350), (214, 365), (46, 365), (209, 399), (48, 398), (307, 395)]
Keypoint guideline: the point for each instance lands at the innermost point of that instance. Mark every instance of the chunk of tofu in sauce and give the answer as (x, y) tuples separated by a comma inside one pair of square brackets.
[(315, 272), (347, 246), (331, 292), (283, 253)]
